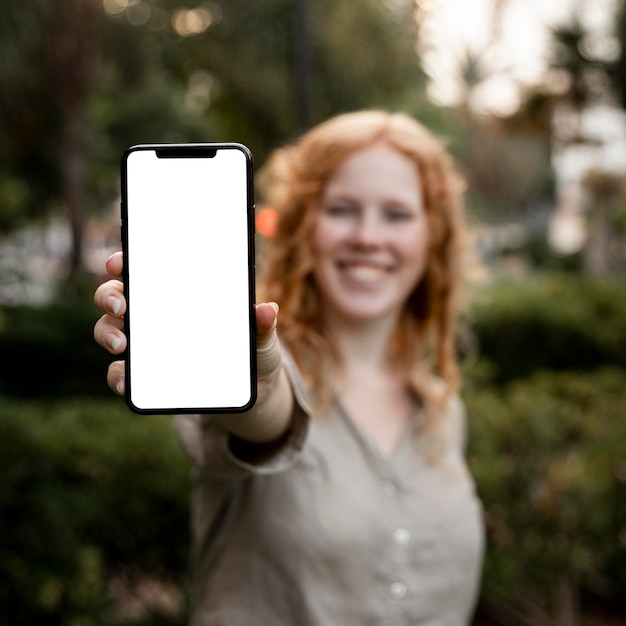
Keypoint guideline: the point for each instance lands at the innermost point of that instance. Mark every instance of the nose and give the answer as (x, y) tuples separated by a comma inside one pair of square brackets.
[(368, 231)]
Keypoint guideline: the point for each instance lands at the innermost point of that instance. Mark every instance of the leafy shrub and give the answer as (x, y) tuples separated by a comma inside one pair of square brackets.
[(89, 491), (50, 351), (549, 458), (555, 322)]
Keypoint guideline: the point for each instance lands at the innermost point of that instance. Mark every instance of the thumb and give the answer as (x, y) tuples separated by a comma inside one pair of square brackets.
[(269, 357)]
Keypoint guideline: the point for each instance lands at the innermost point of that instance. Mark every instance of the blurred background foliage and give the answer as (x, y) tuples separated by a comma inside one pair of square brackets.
[(93, 500)]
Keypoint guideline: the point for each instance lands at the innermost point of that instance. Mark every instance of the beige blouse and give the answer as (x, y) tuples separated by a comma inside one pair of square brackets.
[(326, 531)]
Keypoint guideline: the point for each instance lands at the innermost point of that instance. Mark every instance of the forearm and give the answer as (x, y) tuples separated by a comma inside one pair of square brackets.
[(269, 418)]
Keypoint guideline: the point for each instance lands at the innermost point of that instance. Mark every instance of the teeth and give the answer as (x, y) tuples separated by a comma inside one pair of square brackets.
[(365, 273)]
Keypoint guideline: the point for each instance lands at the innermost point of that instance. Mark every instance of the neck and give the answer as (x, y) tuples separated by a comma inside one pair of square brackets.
[(363, 347)]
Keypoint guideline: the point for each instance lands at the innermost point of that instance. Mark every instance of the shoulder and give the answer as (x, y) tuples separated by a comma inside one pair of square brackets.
[(456, 421), (449, 412), (449, 422)]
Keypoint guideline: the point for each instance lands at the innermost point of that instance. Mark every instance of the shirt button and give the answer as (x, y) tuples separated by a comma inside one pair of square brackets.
[(401, 536), (398, 590)]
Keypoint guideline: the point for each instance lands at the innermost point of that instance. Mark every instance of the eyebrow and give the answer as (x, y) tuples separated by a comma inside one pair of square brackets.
[(416, 202)]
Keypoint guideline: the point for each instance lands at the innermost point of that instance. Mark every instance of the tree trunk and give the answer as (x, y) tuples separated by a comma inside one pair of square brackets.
[(566, 605), (602, 187), (72, 54), (596, 256), (302, 64), (73, 182)]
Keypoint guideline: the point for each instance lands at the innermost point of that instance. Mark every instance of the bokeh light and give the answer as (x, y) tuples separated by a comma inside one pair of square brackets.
[(190, 22), (266, 222)]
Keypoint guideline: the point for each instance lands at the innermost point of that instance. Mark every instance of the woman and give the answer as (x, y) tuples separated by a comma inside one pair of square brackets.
[(343, 496)]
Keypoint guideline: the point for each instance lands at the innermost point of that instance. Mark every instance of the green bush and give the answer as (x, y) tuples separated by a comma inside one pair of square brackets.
[(89, 492), (549, 458), (554, 322), (50, 351)]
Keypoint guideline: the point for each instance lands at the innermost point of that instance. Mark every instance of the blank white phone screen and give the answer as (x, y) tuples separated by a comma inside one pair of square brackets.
[(188, 288)]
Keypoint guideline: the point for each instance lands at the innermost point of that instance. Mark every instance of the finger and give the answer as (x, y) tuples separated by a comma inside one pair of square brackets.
[(109, 297), (109, 333), (115, 264), (116, 377)]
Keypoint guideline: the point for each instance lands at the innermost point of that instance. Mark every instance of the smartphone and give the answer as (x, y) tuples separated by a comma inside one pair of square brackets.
[(188, 243)]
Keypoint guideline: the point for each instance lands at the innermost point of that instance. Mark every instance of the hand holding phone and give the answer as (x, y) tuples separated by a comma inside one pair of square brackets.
[(190, 321)]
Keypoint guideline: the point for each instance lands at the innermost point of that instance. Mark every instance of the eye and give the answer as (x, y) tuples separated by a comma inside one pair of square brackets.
[(398, 214), (340, 210)]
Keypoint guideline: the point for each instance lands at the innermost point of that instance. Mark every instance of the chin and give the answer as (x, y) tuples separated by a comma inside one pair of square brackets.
[(363, 313)]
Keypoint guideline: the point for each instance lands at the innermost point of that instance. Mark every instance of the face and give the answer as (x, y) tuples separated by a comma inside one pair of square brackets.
[(370, 240)]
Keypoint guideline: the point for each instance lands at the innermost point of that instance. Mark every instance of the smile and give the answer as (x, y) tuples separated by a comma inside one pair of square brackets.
[(364, 273)]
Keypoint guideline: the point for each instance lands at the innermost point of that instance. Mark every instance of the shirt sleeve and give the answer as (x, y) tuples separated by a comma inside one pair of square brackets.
[(215, 452)]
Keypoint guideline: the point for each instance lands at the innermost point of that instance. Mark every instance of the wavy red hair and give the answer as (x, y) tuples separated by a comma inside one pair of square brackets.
[(291, 183)]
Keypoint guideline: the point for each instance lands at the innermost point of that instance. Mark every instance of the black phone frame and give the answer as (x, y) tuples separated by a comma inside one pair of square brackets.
[(191, 150)]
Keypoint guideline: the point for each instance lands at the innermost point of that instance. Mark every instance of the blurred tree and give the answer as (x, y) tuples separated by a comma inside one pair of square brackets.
[(286, 64), (573, 59), (49, 64), (71, 54), (24, 111), (589, 79), (508, 168), (617, 69), (505, 158), (83, 79), (302, 63), (604, 189)]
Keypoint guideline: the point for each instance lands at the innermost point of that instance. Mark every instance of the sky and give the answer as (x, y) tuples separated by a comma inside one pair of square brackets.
[(515, 46)]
